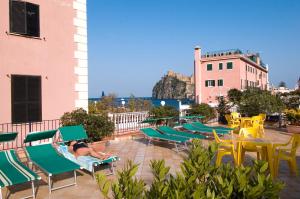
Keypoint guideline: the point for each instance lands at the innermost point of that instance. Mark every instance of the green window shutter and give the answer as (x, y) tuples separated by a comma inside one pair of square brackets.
[(206, 83), (229, 65), (220, 66), (209, 67), (220, 82)]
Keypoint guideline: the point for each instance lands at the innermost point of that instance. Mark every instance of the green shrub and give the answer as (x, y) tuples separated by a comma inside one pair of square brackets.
[(293, 116), (199, 178), (204, 110), (164, 111), (97, 126)]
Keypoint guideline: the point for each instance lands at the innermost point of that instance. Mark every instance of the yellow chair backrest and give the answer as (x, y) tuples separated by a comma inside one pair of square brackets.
[(263, 116), (249, 132), (228, 118), (257, 121), (295, 144), (235, 115), (217, 138)]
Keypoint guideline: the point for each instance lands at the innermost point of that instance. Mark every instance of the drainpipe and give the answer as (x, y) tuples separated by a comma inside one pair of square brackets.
[(197, 74)]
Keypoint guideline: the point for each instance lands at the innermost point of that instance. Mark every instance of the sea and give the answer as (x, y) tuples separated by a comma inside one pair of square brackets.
[(155, 102)]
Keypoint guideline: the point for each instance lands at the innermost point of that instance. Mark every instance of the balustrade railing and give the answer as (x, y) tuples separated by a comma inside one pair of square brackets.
[(129, 122)]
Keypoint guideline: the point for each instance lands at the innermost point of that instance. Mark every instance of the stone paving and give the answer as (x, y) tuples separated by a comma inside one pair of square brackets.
[(137, 150)]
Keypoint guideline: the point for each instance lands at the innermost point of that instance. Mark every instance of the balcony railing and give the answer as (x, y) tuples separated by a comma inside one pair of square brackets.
[(23, 129)]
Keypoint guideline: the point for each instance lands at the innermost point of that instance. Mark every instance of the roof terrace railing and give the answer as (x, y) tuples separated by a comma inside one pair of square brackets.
[(124, 123)]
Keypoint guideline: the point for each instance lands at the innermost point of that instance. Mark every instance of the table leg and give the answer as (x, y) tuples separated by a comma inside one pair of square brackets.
[(239, 153), (270, 159)]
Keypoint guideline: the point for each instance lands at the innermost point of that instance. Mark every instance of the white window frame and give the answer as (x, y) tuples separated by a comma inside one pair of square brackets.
[(209, 82)]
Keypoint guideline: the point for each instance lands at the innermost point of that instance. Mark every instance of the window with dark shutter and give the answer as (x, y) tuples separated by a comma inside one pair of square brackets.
[(209, 67), (220, 66), (26, 98), (220, 82), (24, 18), (229, 65)]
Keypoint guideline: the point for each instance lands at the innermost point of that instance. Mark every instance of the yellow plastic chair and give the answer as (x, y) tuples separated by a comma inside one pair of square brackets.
[(225, 147), (281, 152), (235, 115), (253, 132), (231, 122), (257, 121), (263, 116)]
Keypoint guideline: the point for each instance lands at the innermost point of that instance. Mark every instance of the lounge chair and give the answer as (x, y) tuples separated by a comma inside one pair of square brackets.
[(193, 128), (12, 171), (70, 133), (151, 134), (48, 159), (201, 125), (170, 131)]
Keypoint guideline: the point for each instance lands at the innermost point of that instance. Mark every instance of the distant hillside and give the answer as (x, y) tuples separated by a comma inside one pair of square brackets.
[(174, 86)]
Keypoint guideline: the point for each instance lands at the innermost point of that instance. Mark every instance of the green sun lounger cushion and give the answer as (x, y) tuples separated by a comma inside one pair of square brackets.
[(6, 137), (191, 127), (170, 131), (47, 158), (155, 134), (12, 171), (201, 125), (69, 133), (36, 136)]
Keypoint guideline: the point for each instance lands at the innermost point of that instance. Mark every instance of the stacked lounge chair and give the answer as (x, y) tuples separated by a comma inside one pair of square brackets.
[(201, 125), (152, 134), (12, 171), (71, 133), (45, 157), (170, 131), (193, 128)]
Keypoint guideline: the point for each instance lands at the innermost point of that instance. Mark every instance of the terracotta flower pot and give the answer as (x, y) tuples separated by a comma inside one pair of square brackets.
[(293, 129)]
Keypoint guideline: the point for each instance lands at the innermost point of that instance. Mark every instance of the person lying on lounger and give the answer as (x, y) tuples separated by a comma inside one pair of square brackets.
[(81, 148)]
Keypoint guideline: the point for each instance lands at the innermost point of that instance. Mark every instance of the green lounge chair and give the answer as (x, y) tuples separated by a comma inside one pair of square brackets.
[(70, 133), (170, 131), (12, 171), (47, 159), (151, 134), (193, 128), (201, 125)]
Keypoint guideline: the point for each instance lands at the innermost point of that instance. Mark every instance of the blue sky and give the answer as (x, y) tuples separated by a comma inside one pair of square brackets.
[(133, 43)]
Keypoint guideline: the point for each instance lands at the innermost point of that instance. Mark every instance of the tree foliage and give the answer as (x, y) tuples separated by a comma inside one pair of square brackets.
[(222, 109), (164, 111), (234, 96), (204, 110), (291, 99), (97, 126), (199, 178), (254, 101)]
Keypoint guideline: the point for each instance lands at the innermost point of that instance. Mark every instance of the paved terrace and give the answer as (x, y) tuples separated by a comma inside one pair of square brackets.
[(137, 150)]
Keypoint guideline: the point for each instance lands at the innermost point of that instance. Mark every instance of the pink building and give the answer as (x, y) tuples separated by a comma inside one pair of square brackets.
[(43, 59), (218, 72)]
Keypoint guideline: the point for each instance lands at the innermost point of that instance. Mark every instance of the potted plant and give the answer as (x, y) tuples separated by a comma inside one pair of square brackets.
[(98, 127), (293, 118)]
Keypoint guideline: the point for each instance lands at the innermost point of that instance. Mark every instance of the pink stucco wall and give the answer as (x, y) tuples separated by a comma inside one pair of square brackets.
[(232, 78), (51, 57)]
